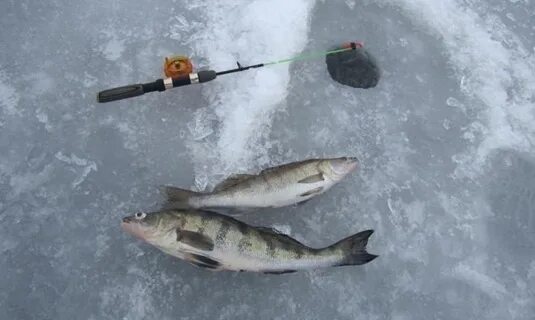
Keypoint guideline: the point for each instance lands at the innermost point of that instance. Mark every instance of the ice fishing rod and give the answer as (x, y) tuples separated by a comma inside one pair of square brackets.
[(179, 72)]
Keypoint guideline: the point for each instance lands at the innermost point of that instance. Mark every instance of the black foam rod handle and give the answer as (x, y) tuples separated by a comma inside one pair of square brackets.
[(206, 75), (120, 93)]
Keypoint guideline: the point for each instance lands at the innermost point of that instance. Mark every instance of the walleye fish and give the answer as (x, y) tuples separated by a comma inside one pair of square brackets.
[(274, 187), (218, 242)]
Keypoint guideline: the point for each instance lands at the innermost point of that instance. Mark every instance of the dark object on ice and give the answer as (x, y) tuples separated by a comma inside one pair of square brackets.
[(355, 68)]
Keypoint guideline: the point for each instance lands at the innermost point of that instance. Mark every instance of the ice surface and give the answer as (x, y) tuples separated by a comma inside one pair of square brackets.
[(445, 141), (244, 104)]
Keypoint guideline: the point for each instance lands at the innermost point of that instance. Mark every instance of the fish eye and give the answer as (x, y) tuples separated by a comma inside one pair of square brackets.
[(140, 215)]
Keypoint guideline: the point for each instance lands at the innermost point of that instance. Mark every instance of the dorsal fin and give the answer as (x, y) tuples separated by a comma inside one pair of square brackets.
[(231, 181), (279, 167), (287, 166)]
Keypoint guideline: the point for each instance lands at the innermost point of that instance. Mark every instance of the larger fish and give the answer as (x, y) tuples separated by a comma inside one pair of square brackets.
[(219, 242), (274, 187)]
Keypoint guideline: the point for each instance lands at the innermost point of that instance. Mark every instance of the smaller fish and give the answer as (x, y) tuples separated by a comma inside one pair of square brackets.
[(279, 186), (219, 242)]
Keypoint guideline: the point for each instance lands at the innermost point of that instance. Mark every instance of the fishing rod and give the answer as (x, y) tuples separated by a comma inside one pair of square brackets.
[(179, 79)]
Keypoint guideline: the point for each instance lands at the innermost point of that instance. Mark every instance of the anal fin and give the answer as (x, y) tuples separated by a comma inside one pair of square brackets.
[(280, 272), (202, 261)]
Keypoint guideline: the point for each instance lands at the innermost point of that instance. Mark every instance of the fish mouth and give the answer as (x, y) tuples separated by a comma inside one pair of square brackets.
[(345, 165), (129, 225)]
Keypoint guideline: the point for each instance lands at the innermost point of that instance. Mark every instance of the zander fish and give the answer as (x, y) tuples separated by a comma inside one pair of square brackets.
[(274, 187), (218, 242)]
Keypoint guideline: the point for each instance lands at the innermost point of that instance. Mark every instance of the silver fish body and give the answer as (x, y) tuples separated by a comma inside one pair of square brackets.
[(274, 187), (219, 242)]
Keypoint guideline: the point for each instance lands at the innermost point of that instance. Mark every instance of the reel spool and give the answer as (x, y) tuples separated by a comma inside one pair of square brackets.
[(176, 66)]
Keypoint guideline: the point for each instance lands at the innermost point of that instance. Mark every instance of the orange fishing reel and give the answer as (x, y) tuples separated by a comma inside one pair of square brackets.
[(176, 66)]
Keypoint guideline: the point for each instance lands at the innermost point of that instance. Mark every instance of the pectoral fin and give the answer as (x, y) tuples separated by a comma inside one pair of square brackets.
[(312, 192), (313, 179), (194, 239)]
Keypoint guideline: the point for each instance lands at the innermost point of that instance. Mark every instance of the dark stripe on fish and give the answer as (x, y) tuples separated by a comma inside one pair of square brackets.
[(244, 245), (242, 227), (180, 218), (222, 232), (299, 252), (204, 222), (270, 243), (290, 245), (280, 235), (283, 241)]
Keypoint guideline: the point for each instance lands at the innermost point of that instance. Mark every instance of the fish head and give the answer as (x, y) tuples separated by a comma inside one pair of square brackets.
[(338, 168), (153, 228)]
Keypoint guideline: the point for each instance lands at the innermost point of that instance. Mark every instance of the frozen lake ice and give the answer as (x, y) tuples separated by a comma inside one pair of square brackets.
[(445, 141)]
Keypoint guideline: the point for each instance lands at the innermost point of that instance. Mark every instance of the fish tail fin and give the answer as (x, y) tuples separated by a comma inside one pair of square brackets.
[(354, 249), (178, 198)]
